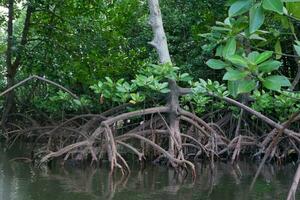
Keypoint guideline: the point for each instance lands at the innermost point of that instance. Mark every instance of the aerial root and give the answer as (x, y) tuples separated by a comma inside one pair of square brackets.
[(195, 139), (93, 142), (293, 189)]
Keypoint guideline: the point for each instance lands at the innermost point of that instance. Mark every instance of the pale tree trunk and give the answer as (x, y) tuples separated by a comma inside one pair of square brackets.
[(160, 40), (160, 43)]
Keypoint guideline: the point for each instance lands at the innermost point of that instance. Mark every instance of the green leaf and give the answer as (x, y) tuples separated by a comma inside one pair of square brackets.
[(100, 84), (252, 57), (219, 50), (257, 18), (2, 48), (246, 86), (229, 48), (109, 80), (276, 82), (120, 88), (257, 37), (239, 7), (233, 88), (278, 50), (77, 102), (132, 102), (234, 75), (297, 48), (273, 5), (185, 77), (269, 66), (293, 7), (238, 60), (165, 90), (285, 22), (218, 28), (263, 57), (216, 64)]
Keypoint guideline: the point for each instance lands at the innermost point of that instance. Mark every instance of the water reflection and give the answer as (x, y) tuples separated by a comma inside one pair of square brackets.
[(19, 181)]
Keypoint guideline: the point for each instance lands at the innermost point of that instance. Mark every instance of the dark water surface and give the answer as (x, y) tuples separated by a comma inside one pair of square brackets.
[(19, 181)]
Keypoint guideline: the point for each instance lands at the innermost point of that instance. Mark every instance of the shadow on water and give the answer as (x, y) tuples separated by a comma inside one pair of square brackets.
[(19, 181)]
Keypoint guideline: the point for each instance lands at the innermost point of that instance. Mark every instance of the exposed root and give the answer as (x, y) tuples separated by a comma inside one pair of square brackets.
[(293, 189), (189, 137), (94, 141)]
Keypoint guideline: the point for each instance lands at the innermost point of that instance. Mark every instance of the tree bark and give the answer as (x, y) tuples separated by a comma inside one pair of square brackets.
[(160, 40), (293, 189), (9, 100), (12, 67), (160, 43)]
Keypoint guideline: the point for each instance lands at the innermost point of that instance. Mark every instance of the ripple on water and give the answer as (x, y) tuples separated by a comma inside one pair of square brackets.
[(19, 181)]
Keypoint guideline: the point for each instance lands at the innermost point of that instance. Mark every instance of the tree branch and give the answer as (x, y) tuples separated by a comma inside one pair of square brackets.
[(41, 79), (257, 114), (24, 38)]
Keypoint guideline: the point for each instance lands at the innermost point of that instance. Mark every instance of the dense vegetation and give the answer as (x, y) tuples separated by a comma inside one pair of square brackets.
[(220, 79)]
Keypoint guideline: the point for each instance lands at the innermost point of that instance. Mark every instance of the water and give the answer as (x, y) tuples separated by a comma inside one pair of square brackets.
[(19, 181)]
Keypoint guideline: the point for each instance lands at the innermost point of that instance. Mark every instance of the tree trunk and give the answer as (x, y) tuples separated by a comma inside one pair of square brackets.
[(9, 101), (160, 40), (12, 67), (160, 43)]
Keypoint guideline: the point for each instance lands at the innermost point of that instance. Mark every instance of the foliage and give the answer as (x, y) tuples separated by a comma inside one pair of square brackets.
[(199, 102), (184, 21), (152, 79), (79, 43), (58, 102), (245, 72), (234, 40), (100, 51), (281, 105)]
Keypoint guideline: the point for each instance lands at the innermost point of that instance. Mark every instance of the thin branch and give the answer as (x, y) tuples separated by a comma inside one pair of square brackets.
[(257, 114), (273, 145), (41, 79)]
